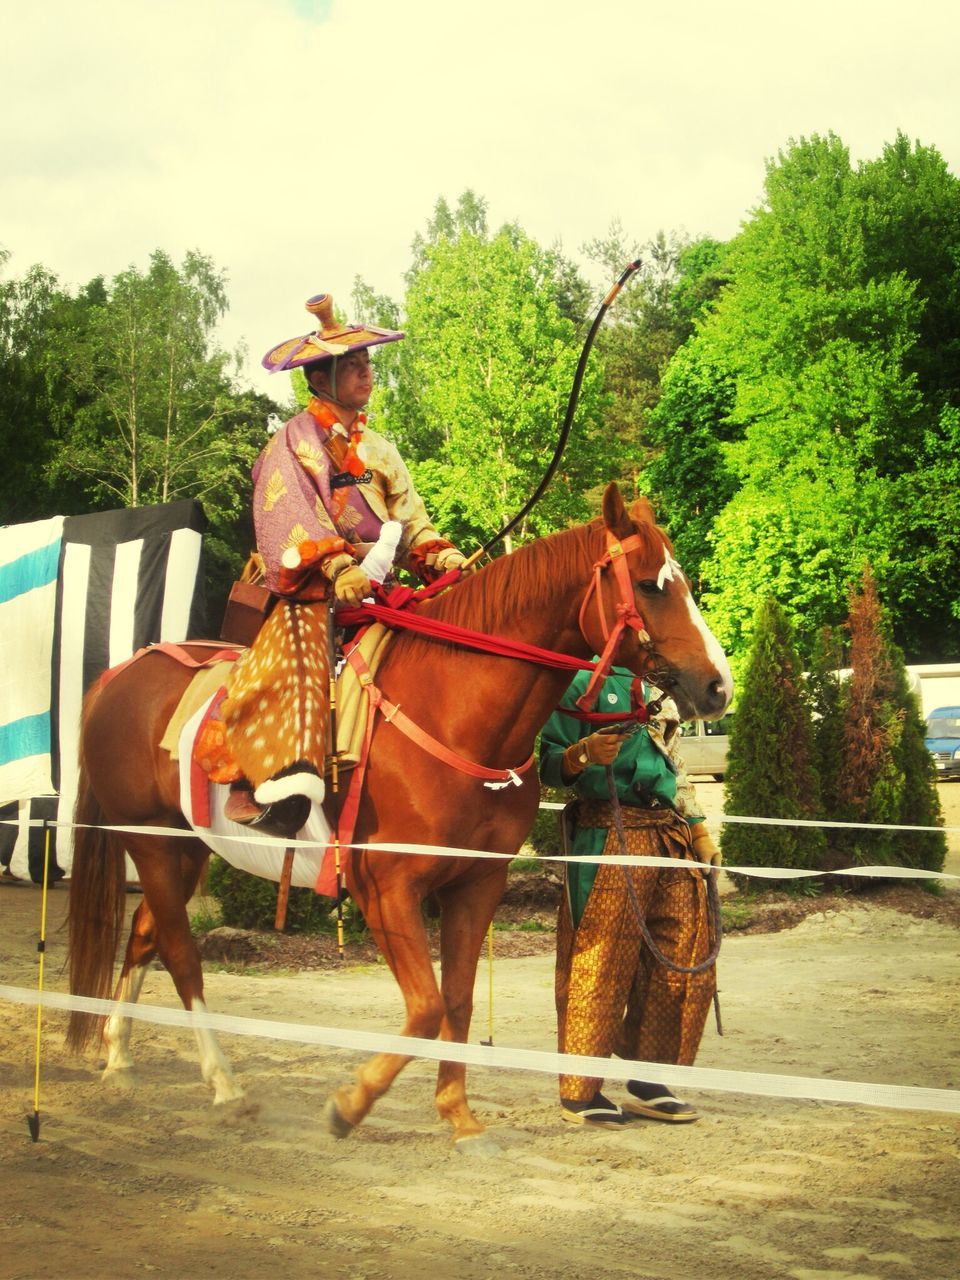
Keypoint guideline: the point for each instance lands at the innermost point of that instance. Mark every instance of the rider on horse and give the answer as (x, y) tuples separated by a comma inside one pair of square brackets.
[(323, 488)]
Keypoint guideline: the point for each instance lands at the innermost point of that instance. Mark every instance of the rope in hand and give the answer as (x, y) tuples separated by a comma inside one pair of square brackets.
[(715, 922)]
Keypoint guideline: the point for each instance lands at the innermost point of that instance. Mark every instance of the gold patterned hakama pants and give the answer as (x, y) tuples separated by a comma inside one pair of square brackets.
[(277, 709), (612, 996)]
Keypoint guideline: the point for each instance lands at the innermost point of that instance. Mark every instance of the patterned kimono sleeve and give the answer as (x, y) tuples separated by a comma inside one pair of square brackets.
[(287, 508), (403, 503)]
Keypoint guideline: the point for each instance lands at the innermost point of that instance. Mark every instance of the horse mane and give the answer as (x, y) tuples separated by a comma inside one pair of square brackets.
[(488, 600)]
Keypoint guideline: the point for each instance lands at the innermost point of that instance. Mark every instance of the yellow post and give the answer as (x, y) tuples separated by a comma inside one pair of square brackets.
[(33, 1121)]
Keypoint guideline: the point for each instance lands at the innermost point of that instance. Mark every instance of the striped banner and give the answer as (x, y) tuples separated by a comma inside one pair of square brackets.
[(120, 580), (29, 559)]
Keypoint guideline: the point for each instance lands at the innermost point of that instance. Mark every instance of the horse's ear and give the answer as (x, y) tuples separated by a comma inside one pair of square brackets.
[(641, 511), (615, 513)]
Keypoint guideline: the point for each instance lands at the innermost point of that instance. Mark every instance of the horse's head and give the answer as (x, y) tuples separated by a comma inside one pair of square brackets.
[(650, 592)]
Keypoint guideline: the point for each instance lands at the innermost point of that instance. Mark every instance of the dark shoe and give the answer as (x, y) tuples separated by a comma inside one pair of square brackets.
[(283, 818), (598, 1113), (656, 1102)]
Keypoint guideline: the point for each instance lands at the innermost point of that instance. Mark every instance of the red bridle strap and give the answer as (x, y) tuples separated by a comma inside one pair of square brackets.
[(626, 610)]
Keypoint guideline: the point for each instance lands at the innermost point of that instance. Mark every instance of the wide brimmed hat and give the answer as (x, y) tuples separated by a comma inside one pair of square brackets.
[(331, 339)]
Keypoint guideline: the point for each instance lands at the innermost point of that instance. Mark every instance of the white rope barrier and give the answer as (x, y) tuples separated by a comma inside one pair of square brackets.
[(877, 872), (627, 860), (849, 1092)]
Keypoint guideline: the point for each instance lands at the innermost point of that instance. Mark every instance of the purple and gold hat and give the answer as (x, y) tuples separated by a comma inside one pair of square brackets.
[(330, 339)]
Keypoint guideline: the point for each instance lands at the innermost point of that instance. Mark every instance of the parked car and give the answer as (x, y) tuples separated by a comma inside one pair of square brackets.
[(704, 746), (943, 740)]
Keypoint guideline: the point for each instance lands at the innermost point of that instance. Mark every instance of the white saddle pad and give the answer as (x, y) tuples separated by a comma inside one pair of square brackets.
[(233, 842)]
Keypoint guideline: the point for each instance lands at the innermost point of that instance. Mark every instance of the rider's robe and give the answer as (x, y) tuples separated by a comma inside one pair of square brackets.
[(277, 707)]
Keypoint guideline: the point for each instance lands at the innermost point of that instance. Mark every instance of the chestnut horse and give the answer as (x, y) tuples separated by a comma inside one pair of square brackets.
[(486, 708)]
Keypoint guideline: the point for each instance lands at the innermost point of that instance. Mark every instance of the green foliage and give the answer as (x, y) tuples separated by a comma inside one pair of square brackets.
[(652, 317), (545, 834), (825, 697), (886, 775), (249, 902), (480, 384), (736, 913), (770, 771), (817, 398), (119, 396)]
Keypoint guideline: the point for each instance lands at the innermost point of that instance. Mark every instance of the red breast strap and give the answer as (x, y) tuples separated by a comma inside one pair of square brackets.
[(392, 713)]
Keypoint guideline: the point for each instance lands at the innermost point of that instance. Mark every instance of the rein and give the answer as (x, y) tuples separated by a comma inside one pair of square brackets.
[(715, 920), (400, 615), (396, 612)]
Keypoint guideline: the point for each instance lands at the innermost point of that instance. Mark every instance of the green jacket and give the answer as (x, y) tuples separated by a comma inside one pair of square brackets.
[(648, 767)]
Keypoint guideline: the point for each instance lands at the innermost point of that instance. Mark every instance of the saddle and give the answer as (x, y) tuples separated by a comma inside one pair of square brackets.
[(351, 700)]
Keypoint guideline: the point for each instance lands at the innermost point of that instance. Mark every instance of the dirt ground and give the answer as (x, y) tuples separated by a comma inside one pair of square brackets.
[(152, 1179)]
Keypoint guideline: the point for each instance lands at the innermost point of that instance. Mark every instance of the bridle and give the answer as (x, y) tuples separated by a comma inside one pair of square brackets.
[(627, 618)]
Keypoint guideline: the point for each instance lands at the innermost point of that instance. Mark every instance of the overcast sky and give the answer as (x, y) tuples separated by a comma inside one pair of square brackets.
[(302, 142)]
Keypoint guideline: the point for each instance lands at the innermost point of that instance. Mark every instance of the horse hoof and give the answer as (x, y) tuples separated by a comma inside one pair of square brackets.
[(229, 1096), (122, 1079), (478, 1145), (336, 1122)]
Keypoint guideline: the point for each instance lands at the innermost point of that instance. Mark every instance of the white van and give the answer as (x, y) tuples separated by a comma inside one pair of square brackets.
[(704, 746)]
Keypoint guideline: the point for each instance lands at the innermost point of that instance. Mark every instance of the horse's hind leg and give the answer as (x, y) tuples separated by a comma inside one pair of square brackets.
[(141, 949), (466, 914), (169, 875)]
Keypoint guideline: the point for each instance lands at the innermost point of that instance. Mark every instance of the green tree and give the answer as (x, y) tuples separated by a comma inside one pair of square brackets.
[(38, 322), (816, 397), (770, 769), (481, 383), (886, 775), (157, 386), (825, 696), (653, 317), (156, 416)]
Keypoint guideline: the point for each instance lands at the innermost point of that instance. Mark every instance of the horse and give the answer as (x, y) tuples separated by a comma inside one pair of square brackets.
[(558, 592)]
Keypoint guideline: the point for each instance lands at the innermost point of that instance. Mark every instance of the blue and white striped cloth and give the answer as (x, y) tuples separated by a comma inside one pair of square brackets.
[(29, 563), (78, 595)]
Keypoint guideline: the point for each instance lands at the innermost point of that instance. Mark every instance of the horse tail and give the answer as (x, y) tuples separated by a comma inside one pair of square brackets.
[(97, 910)]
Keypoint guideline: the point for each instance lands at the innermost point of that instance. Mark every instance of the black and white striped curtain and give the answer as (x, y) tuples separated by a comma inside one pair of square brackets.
[(126, 579)]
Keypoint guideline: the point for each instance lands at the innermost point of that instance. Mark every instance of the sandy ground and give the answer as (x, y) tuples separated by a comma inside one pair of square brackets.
[(152, 1179)]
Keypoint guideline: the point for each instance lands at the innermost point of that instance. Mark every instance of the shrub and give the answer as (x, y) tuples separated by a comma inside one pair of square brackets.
[(770, 772), (886, 773), (249, 902)]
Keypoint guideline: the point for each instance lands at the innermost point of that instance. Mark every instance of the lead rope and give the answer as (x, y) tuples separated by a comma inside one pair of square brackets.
[(715, 922)]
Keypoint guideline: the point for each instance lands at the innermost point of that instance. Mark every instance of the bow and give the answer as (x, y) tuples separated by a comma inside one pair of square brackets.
[(567, 418)]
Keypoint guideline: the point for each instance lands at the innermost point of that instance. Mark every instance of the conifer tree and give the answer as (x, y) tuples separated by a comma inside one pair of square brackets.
[(770, 770), (825, 697), (886, 774)]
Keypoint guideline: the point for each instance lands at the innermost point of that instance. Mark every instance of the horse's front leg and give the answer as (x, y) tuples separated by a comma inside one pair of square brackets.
[(466, 914), (396, 922)]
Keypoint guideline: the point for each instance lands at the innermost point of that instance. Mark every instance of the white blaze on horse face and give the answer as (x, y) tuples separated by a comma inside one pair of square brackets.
[(672, 572), (712, 645), (666, 574)]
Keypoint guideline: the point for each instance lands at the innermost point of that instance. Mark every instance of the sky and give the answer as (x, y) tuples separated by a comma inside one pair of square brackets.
[(302, 143)]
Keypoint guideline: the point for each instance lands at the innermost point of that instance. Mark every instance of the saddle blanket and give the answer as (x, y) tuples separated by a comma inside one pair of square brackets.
[(312, 868), (351, 698)]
